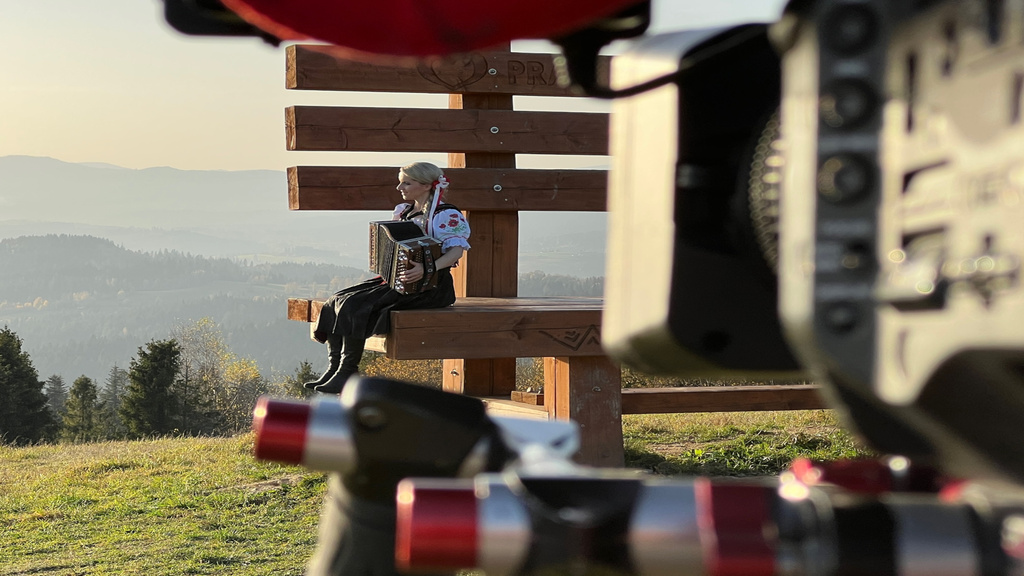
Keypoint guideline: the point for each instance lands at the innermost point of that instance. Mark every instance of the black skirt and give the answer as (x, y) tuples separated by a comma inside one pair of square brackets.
[(365, 308)]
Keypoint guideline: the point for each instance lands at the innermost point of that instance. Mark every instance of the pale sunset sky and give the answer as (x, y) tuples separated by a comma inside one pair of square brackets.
[(109, 81)]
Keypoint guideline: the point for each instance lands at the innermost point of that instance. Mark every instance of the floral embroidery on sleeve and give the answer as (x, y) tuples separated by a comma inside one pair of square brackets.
[(451, 229)]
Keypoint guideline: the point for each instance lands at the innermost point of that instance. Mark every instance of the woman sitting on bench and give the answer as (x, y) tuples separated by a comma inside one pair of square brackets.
[(354, 314)]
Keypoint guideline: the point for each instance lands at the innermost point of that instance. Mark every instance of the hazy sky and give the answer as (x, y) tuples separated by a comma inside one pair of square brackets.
[(109, 81)]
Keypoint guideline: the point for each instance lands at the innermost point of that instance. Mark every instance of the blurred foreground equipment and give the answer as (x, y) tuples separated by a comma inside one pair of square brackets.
[(536, 512), (887, 519), (887, 194), (424, 27)]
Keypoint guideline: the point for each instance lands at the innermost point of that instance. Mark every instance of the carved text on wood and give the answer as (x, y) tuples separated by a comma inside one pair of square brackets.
[(458, 73)]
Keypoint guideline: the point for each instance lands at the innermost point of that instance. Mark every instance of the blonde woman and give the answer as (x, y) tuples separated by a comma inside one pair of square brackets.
[(352, 315)]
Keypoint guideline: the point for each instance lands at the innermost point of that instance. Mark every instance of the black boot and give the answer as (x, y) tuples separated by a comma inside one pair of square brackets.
[(333, 344), (351, 354)]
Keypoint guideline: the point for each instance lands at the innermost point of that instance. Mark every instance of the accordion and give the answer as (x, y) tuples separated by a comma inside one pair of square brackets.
[(396, 243)]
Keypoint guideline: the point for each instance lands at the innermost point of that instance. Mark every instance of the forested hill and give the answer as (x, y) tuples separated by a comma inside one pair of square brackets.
[(63, 267), (83, 304)]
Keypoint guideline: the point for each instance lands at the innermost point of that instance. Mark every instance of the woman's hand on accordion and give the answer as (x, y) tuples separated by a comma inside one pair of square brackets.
[(413, 272)]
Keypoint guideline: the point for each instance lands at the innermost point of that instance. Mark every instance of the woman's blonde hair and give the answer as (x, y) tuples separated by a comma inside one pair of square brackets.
[(422, 172)]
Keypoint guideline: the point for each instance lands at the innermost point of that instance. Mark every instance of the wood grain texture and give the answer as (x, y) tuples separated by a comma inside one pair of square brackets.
[(472, 189), (476, 277), (488, 328), (588, 391), (479, 376), (513, 334), (500, 406), (298, 309), (531, 398), (721, 399), (482, 270), (331, 128), (485, 72), (505, 247)]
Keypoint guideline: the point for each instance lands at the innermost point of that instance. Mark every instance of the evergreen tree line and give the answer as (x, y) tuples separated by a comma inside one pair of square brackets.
[(187, 384), (541, 284)]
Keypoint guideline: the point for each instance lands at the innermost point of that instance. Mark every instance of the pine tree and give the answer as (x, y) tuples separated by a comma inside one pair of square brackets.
[(24, 417), (83, 419), (292, 386), (110, 399), (149, 406), (56, 394)]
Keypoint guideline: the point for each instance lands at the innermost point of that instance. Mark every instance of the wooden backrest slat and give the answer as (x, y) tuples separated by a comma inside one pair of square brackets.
[(438, 130), (299, 309), (498, 189), (488, 72)]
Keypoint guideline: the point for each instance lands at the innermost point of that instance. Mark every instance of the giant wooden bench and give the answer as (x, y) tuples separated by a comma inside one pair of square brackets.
[(482, 135)]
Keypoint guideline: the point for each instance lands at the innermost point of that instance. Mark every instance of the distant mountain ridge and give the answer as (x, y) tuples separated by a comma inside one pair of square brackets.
[(213, 213), (236, 214)]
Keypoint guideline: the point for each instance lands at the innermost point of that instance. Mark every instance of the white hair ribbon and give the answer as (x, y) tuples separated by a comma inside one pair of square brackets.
[(439, 187)]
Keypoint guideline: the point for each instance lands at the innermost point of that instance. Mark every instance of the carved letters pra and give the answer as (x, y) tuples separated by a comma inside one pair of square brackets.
[(458, 73)]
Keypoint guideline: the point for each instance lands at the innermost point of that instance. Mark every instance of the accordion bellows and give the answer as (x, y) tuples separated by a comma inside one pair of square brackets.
[(396, 243)]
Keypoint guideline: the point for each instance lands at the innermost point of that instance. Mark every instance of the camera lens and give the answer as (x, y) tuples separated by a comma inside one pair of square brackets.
[(846, 103), (845, 177), (841, 317), (849, 29)]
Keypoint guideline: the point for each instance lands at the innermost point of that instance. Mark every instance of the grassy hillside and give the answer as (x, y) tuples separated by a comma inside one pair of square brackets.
[(205, 506), (169, 506)]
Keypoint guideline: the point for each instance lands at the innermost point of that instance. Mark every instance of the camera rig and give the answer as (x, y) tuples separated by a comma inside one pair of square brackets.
[(861, 218), (502, 495)]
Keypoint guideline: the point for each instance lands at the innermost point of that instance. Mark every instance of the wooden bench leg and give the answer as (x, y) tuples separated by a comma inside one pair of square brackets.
[(482, 377), (588, 390)]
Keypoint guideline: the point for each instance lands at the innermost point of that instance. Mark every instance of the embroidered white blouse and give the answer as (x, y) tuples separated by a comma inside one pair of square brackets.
[(450, 226)]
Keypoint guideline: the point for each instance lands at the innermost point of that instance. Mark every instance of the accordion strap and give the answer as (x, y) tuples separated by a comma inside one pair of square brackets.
[(429, 268)]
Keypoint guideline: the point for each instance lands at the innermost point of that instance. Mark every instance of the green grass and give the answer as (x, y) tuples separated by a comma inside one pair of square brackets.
[(167, 507), (734, 444), (181, 506)]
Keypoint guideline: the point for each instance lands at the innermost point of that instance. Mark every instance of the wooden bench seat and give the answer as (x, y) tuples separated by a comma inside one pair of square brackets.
[(480, 327)]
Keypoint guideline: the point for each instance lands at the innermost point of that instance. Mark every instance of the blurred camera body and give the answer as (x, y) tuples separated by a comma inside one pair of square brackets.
[(878, 219), (688, 288)]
